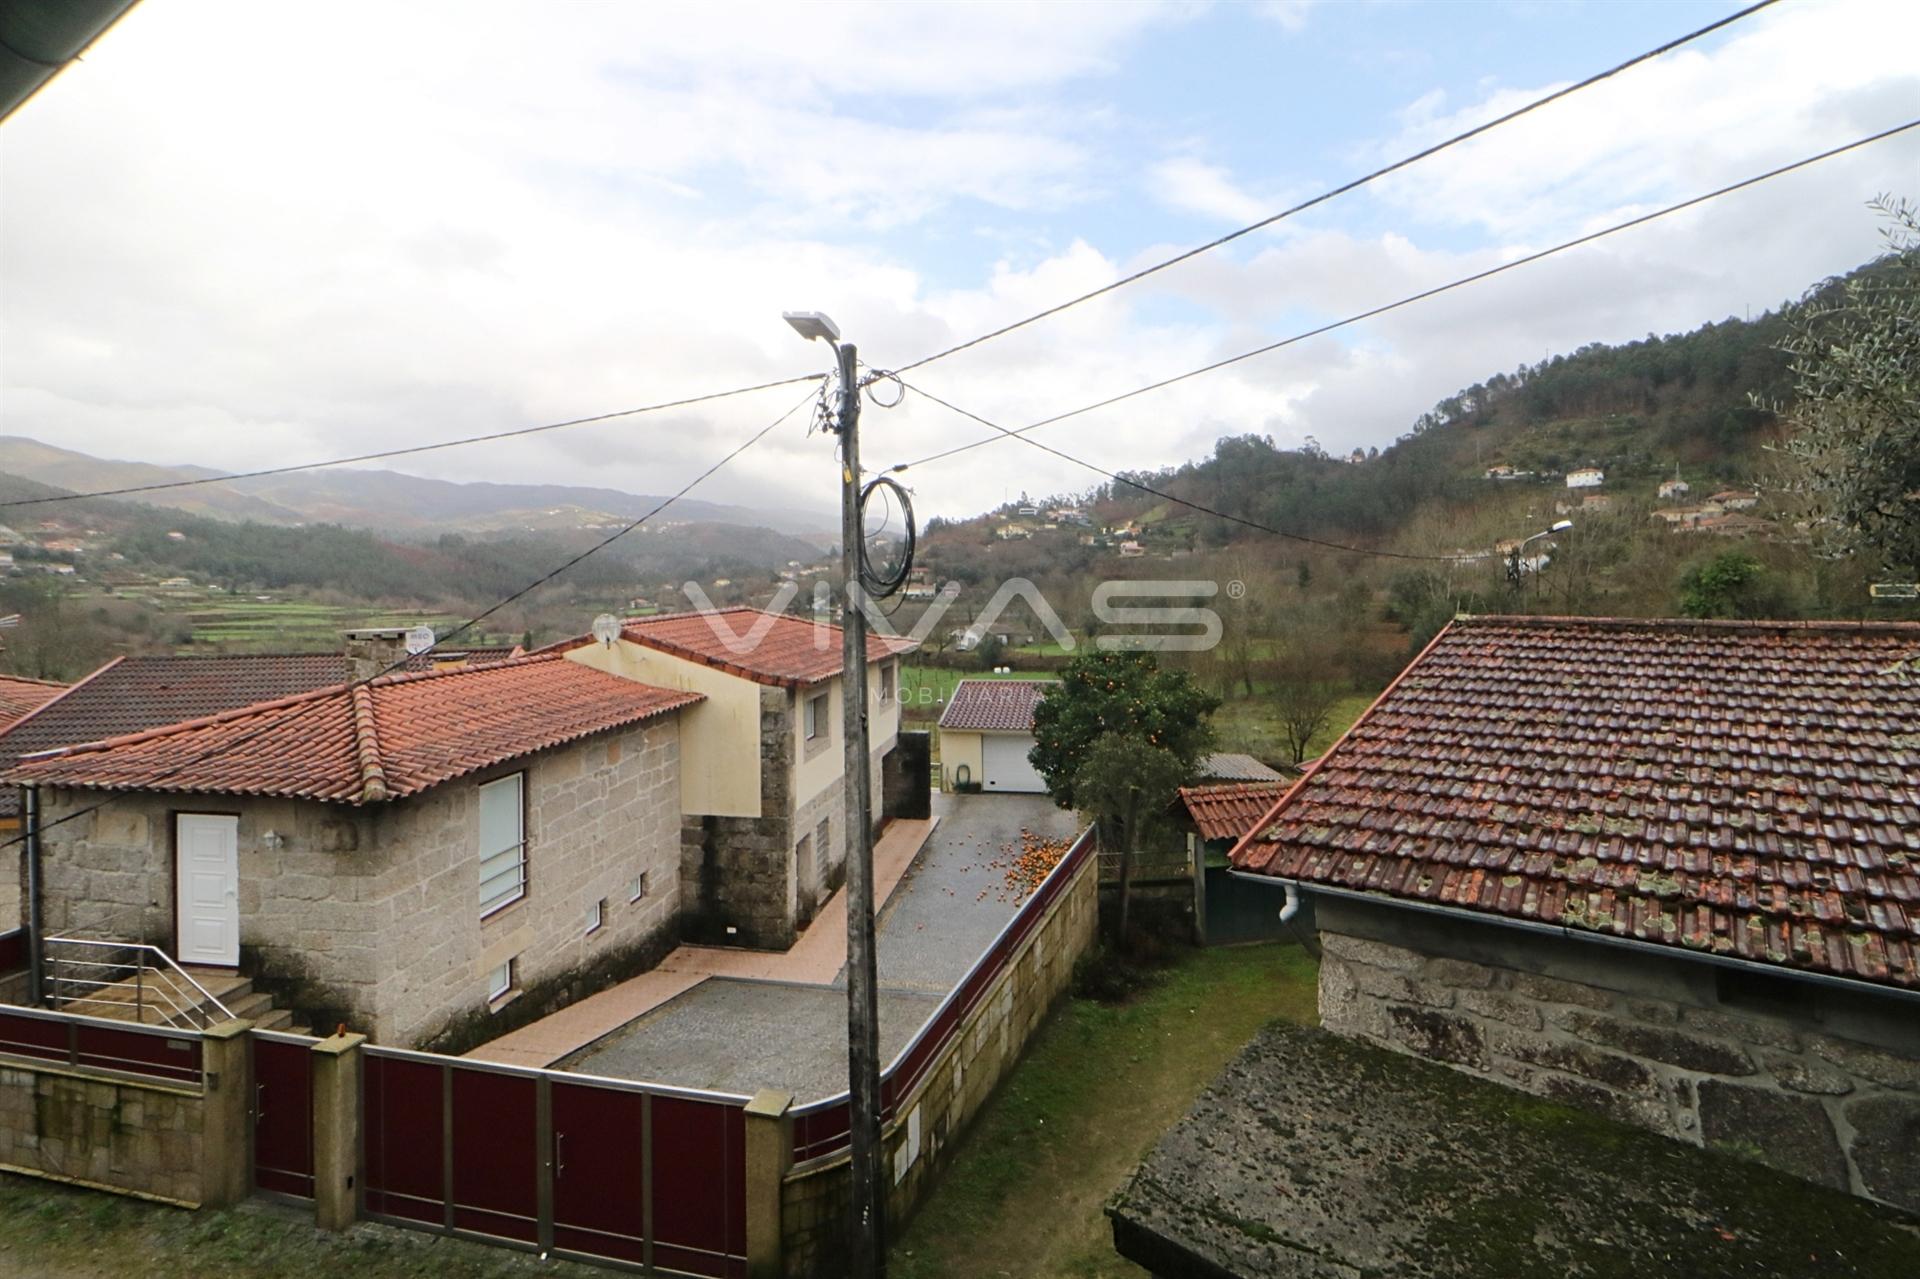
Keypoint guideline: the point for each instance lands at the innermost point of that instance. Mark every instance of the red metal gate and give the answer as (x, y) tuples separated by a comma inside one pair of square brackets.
[(282, 1113), (595, 1169)]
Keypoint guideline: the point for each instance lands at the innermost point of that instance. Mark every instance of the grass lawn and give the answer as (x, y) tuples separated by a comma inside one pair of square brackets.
[(1248, 724), (1097, 1088), (53, 1232)]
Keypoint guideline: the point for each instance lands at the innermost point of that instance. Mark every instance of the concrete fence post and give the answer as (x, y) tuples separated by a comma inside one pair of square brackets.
[(769, 1155), (336, 1131), (226, 1145)]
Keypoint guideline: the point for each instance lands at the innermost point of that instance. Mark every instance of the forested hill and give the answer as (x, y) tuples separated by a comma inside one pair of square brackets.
[(1637, 410)]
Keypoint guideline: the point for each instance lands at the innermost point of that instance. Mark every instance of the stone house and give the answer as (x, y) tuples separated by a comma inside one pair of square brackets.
[(1665, 869), (762, 779), (409, 856)]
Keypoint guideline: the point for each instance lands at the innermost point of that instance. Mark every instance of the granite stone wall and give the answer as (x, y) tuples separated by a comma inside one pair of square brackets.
[(737, 873), (370, 915), (1815, 1084)]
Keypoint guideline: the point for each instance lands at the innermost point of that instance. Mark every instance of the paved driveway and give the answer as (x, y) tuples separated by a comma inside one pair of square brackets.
[(954, 899), (744, 1035)]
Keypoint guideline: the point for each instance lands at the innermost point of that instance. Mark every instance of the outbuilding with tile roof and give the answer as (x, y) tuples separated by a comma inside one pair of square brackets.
[(1670, 868), (986, 734)]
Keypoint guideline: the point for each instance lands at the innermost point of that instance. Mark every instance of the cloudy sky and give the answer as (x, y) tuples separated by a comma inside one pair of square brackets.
[(245, 234)]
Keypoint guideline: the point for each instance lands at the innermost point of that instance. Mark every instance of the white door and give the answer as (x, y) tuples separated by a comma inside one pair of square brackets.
[(1004, 766), (207, 888)]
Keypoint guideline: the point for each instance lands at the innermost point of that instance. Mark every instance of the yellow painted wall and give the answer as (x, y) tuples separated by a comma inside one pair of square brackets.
[(814, 771), (957, 748), (719, 738)]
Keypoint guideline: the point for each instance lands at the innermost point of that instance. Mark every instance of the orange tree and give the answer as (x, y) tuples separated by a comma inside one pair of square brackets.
[(1117, 726)]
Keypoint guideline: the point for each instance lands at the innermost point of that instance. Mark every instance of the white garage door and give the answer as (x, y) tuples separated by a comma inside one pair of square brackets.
[(1004, 761)]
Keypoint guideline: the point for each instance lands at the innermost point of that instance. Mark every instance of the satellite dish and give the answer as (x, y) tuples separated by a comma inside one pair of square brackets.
[(419, 640), (606, 629)]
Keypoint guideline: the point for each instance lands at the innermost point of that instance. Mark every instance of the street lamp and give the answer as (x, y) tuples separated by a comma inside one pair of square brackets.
[(867, 1255), (1513, 560)]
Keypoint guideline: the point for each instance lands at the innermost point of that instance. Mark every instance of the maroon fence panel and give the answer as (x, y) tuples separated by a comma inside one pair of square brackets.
[(699, 1187), (404, 1133), (171, 1057), (599, 1172), (496, 1154), (41, 1037), (822, 1131), (282, 1116), (13, 951)]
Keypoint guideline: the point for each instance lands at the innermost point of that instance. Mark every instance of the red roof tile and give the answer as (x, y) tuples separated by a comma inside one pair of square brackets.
[(1230, 811), (1744, 789), (129, 694), (768, 648), (360, 743), (19, 696), (994, 705)]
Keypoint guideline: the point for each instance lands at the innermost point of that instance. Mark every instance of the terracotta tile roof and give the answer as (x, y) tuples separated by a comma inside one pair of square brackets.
[(129, 694), (994, 705), (1228, 767), (767, 648), (361, 743), (1230, 811), (1744, 789), (19, 695)]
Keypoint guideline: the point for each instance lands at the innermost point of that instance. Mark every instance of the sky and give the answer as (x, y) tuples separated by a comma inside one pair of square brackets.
[(245, 235)]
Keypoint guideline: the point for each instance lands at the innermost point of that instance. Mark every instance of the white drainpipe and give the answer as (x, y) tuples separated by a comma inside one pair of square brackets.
[(1292, 906)]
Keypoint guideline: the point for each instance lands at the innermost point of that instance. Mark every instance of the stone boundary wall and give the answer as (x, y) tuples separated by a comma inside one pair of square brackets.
[(179, 1143), (920, 1141), (1832, 1110)]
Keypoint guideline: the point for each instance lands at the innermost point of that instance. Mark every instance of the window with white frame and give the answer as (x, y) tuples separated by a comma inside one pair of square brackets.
[(817, 721), (500, 982), (886, 682), (637, 887), (503, 842), (596, 915)]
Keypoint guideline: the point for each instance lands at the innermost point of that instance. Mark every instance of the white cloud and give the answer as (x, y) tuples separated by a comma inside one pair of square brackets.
[(241, 235)]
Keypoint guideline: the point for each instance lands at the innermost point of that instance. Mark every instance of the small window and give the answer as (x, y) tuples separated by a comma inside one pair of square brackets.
[(817, 716), (820, 837), (503, 843), (637, 887), (500, 981), (596, 915), (886, 682)]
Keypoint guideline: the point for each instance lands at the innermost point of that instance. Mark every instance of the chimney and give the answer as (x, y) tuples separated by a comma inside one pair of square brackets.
[(372, 649)]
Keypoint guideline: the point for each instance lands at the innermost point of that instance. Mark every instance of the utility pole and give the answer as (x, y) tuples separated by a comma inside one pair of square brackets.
[(866, 1257)]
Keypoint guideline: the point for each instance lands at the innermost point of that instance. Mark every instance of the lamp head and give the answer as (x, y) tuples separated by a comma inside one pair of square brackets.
[(1561, 527), (812, 324)]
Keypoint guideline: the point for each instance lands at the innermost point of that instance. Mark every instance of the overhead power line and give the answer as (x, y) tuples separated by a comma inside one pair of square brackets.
[(1424, 294), (1116, 477), (418, 448), (1345, 187), (301, 709)]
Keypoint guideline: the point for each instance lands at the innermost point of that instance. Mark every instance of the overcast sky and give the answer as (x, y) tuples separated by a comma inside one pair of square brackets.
[(244, 234)]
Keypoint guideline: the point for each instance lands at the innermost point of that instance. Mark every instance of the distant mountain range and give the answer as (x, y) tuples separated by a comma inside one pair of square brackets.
[(385, 501)]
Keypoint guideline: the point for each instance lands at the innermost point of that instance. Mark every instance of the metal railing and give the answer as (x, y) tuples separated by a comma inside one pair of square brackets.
[(130, 981)]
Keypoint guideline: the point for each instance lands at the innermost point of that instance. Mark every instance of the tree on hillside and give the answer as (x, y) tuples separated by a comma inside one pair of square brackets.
[(1855, 352), (1130, 697), (1731, 584)]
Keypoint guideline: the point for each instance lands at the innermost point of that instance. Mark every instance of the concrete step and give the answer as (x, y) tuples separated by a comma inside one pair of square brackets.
[(272, 1019)]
